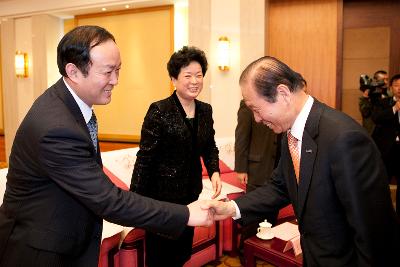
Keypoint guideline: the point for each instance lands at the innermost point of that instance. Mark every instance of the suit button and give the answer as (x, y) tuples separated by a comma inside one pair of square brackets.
[(97, 235)]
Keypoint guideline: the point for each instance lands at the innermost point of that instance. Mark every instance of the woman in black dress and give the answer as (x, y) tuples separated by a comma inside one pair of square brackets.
[(176, 132)]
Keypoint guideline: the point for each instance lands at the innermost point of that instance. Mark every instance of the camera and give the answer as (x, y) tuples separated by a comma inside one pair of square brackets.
[(375, 87)]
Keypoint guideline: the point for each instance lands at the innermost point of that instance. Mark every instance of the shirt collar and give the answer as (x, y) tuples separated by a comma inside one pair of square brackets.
[(300, 122), (85, 109)]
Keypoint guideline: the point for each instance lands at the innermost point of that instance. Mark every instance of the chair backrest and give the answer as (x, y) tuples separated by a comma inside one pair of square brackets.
[(286, 214), (223, 168)]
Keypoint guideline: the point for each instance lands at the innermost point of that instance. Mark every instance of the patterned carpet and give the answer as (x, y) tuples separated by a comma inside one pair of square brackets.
[(227, 261)]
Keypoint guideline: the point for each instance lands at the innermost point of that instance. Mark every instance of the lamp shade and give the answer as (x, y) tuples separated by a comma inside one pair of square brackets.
[(223, 53), (21, 64)]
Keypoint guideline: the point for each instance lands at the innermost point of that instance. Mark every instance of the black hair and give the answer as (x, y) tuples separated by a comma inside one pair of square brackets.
[(267, 73), (394, 78), (383, 72), (75, 47), (183, 58)]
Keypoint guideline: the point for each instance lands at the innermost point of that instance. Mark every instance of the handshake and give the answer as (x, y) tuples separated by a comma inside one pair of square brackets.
[(205, 212)]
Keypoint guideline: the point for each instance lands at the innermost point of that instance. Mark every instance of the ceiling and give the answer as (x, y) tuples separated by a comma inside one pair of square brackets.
[(68, 9)]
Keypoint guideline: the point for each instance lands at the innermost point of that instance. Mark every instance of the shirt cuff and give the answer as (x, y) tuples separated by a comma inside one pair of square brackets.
[(238, 215)]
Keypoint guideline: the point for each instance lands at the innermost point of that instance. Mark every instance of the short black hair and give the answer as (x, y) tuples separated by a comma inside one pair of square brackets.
[(183, 58), (267, 73), (394, 78), (383, 72), (75, 47)]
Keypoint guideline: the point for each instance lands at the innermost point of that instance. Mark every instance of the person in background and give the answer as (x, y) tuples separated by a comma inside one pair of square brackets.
[(382, 77), (57, 193), (176, 133), (370, 98), (387, 132), (330, 170), (256, 150), (256, 156)]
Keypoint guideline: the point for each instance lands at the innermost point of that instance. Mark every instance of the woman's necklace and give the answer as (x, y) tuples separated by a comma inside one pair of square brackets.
[(189, 110)]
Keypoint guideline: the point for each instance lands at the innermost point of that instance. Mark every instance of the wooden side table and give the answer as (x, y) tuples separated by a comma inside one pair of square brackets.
[(270, 251)]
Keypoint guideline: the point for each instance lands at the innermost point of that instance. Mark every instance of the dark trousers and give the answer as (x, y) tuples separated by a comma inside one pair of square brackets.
[(162, 251), (392, 161)]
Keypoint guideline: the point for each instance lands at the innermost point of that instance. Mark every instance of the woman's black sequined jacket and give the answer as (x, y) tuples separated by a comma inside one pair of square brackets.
[(168, 163)]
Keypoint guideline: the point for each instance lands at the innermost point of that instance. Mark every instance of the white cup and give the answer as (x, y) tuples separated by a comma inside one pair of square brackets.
[(265, 228)]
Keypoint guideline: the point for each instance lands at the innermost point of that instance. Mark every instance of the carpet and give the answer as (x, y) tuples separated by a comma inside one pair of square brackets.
[(227, 261)]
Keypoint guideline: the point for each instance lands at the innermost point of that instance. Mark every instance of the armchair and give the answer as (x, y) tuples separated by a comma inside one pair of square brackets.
[(207, 243)]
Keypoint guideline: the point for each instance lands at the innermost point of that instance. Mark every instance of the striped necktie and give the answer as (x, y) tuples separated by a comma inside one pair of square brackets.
[(294, 153)]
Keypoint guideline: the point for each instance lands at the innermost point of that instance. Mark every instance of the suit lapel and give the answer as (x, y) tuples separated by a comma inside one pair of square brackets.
[(308, 154), (69, 101), (64, 94)]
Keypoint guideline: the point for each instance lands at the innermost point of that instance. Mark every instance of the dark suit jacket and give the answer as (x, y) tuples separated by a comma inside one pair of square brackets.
[(255, 147), (342, 203), (168, 163), (386, 130), (57, 193)]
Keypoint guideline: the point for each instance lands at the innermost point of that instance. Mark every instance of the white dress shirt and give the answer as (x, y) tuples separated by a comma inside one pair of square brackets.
[(85, 109)]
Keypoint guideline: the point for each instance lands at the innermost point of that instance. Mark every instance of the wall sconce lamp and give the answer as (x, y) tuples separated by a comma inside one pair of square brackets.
[(21, 64), (223, 52)]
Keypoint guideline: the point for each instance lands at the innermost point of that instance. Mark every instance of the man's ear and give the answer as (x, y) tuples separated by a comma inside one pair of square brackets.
[(72, 71), (284, 92)]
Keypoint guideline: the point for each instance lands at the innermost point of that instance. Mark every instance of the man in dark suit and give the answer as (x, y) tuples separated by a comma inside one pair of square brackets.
[(387, 132), (332, 174), (57, 194)]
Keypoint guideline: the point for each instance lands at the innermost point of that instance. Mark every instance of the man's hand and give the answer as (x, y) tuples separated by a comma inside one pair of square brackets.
[(242, 177), (200, 214), (220, 209), (396, 106), (366, 93), (216, 184)]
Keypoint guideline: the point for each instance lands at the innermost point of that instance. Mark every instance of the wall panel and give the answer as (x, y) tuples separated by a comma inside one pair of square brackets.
[(303, 34), (145, 39)]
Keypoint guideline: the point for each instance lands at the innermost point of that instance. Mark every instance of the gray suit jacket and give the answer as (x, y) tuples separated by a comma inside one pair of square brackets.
[(342, 202), (57, 193)]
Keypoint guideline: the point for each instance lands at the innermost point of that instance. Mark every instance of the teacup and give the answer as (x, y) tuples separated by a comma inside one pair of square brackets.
[(265, 228)]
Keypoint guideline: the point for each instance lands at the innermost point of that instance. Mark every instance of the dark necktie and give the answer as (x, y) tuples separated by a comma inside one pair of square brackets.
[(92, 126)]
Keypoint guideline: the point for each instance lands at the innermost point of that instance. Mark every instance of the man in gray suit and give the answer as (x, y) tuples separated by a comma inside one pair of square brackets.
[(332, 174), (256, 149), (256, 156), (57, 193)]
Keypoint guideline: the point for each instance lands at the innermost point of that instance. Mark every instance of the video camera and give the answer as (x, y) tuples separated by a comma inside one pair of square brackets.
[(375, 87)]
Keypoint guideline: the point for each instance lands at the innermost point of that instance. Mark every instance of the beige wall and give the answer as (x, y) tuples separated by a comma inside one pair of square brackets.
[(365, 50), (36, 35), (69, 24), (145, 39), (303, 34), (242, 21), (10, 100)]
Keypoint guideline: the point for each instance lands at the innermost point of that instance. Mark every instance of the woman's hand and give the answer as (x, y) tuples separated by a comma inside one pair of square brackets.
[(242, 177), (216, 184)]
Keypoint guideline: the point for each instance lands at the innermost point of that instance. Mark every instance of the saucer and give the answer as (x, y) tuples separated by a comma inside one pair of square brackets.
[(265, 237)]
